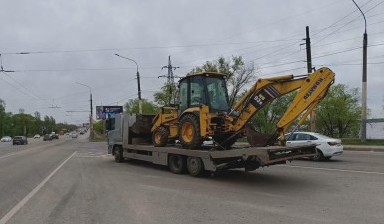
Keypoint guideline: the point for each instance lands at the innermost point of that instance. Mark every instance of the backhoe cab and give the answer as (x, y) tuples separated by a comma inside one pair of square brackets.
[(203, 106), (204, 112)]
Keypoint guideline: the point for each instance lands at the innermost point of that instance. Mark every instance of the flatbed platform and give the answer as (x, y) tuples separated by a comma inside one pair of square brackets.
[(220, 159)]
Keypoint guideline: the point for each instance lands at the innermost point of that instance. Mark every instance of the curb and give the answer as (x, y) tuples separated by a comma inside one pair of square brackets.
[(364, 148)]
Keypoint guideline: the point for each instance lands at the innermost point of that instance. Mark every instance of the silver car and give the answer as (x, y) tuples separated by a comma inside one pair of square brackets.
[(6, 139), (327, 147)]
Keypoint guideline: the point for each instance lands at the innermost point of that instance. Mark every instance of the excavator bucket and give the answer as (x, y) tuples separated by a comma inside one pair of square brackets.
[(257, 139)]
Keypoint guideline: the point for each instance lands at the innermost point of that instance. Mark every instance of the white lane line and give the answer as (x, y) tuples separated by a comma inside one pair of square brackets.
[(21, 203), (333, 169)]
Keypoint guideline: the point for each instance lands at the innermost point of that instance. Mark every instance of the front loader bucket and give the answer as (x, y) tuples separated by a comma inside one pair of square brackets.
[(257, 139)]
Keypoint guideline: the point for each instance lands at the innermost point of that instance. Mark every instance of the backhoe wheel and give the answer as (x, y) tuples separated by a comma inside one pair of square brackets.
[(160, 137), (177, 164), (119, 158), (195, 166), (189, 132)]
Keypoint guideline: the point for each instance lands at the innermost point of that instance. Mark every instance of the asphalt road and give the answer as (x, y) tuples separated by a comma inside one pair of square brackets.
[(74, 181)]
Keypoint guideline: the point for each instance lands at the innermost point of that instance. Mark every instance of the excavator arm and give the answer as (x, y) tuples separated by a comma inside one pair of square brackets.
[(312, 88)]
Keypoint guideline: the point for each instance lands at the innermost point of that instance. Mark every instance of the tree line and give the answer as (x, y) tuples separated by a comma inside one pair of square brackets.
[(27, 124)]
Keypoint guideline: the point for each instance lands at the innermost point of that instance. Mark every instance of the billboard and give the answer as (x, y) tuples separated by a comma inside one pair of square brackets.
[(107, 112)]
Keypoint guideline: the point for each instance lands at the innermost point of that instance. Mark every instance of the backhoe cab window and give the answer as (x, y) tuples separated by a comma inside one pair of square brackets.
[(197, 92), (218, 96)]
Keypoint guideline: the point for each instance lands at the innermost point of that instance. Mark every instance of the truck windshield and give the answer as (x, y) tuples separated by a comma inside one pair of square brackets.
[(217, 92)]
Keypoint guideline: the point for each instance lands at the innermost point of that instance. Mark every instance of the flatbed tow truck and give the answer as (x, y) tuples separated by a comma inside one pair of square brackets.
[(129, 140), (203, 113)]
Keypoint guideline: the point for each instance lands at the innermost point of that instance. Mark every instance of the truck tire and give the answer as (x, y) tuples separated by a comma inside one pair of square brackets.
[(195, 166), (189, 132), (160, 137), (176, 164), (119, 154)]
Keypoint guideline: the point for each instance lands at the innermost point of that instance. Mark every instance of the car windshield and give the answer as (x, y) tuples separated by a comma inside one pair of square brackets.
[(18, 137)]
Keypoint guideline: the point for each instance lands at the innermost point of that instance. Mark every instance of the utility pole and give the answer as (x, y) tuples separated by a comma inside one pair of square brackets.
[(170, 77), (138, 82), (91, 115), (364, 81), (312, 117)]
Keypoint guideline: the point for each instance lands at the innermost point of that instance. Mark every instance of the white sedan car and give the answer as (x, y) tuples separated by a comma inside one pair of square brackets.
[(6, 139), (326, 146)]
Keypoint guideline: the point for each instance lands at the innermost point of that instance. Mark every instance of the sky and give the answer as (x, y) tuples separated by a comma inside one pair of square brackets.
[(50, 46)]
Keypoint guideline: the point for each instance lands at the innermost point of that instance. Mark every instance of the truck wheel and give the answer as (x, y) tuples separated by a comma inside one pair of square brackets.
[(195, 166), (160, 137), (119, 154), (189, 132), (176, 164)]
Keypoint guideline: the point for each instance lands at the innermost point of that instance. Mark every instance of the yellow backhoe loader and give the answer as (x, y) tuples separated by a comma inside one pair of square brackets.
[(203, 111)]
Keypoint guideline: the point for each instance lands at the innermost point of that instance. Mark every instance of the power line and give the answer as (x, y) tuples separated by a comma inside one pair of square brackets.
[(344, 25), (144, 48)]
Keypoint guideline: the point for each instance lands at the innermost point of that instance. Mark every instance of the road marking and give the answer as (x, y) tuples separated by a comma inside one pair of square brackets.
[(27, 150), (21, 203), (333, 169)]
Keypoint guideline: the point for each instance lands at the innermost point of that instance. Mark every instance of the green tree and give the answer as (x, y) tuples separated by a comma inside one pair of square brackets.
[(238, 74), (2, 117), (266, 119), (132, 107), (98, 127), (167, 95), (338, 114)]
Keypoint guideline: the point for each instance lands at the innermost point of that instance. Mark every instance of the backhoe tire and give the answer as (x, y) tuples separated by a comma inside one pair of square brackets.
[(177, 164), (119, 158), (160, 137), (189, 132), (195, 166)]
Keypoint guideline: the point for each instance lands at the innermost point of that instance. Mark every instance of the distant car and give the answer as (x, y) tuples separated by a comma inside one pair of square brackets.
[(47, 137), (20, 140), (37, 136), (54, 135), (327, 147), (6, 139), (74, 135)]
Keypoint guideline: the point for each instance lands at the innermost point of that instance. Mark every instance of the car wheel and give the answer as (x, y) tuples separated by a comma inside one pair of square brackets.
[(319, 156)]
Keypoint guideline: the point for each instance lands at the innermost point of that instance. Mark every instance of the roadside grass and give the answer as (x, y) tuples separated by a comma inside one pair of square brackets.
[(356, 141)]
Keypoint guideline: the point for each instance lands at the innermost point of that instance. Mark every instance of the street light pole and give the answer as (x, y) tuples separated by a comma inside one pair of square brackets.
[(138, 82), (364, 81), (91, 116)]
